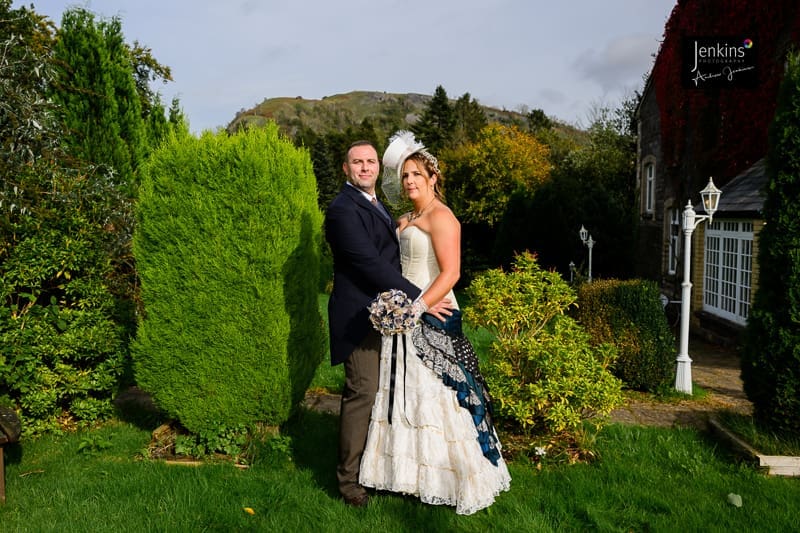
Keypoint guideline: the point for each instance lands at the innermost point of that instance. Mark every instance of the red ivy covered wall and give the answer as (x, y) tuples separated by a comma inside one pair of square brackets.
[(721, 131)]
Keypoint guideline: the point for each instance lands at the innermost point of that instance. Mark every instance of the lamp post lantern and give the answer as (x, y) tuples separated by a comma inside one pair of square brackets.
[(583, 233), (710, 196), (571, 271)]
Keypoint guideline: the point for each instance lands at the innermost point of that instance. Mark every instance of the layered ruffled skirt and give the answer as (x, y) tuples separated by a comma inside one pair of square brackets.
[(430, 435)]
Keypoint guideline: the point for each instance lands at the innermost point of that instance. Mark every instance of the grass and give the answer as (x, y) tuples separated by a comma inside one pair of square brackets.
[(763, 440), (646, 479), (328, 378), (668, 395)]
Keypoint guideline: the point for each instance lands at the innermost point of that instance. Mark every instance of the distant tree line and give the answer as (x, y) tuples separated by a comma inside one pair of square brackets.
[(520, 185)]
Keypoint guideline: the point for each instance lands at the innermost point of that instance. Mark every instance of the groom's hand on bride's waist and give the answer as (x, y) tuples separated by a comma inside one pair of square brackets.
[(441, 309)]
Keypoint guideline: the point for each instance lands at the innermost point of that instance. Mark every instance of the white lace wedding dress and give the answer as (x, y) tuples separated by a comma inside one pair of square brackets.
[(430, 449)]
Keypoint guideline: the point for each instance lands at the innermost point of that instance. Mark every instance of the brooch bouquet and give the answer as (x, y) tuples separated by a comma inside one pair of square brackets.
[(392, 312)]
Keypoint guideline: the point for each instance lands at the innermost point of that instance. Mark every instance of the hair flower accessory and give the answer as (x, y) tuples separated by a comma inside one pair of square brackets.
[(392, 312), (401, 145)]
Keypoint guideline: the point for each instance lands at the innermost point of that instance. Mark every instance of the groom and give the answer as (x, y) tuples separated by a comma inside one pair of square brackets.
[(366, 261)]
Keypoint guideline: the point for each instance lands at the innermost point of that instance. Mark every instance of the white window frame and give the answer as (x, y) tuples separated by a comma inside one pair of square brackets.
[(649, 186), (728, 269), (674, 240)]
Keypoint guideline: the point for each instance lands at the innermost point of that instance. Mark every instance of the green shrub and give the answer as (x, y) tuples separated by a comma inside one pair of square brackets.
[(543, 374), (771, 354), (629, 315), (227, 246), (62, 348), (229, 441), (66, 277)]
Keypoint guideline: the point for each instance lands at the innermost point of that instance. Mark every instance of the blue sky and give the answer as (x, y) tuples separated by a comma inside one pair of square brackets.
[(567, 57)]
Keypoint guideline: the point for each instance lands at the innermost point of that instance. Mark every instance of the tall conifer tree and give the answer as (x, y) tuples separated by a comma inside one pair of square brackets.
[(97, 95), (435, 126), (468, 120), (771, 358)]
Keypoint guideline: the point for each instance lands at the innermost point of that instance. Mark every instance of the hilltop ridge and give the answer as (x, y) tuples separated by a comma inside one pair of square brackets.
[(386, 111)]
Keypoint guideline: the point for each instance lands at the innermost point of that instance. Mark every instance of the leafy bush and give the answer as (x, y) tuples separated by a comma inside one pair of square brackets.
[(629, 315), (771, 355), (227, 245), (66, 279), (229, 441), (62, 348), (543, 373)]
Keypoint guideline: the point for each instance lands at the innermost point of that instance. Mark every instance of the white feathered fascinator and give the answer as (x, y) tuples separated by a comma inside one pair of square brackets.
[(401, 145)]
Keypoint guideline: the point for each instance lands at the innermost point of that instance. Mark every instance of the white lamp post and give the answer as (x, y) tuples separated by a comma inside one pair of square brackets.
[(571, 271), (589, 243), (710, 196)]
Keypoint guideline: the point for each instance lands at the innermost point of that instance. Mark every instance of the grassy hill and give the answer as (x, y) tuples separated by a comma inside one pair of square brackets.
[(387, 112)]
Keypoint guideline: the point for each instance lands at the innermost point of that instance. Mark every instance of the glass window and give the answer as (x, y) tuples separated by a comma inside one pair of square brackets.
[(649, 187), (727, 279), (674, 251)]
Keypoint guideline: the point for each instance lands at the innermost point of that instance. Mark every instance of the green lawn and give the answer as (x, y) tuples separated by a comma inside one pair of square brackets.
[(646, 479)]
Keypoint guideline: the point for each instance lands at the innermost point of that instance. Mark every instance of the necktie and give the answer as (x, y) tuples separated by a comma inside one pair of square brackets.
[(380, 208)]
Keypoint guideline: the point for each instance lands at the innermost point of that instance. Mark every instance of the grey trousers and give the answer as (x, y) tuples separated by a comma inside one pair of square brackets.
[(361, 383)]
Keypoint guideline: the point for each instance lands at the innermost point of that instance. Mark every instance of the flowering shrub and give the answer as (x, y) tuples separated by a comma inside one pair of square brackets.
[(544, 375)]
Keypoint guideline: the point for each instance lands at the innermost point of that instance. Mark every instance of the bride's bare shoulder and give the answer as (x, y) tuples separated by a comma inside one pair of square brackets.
[(442, 214)]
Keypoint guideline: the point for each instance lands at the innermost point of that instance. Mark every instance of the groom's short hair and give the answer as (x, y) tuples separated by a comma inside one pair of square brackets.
[(362, 142)]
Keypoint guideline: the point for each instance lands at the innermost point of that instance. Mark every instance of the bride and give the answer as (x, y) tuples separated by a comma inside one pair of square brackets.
[(431, 433)]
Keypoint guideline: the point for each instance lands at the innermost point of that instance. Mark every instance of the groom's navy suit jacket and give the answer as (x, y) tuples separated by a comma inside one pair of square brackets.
[(366, 261)]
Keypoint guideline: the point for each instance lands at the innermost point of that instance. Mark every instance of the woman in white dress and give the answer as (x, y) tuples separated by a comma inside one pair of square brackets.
[(431, 433)]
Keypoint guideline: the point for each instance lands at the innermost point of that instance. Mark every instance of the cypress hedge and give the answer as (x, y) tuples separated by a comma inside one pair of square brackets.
[(771, 352), (227, 246)]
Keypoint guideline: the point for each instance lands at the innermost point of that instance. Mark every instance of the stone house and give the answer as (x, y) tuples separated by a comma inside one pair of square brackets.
[(689, 132)]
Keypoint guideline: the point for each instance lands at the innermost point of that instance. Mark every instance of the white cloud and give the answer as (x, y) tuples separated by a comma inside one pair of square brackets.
[(624, 60)]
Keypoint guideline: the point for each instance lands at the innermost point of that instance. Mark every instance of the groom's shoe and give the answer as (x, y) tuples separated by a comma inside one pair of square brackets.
[(357, 501)]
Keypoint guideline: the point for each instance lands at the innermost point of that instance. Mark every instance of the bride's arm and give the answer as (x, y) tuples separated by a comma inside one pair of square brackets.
[(445, 232)]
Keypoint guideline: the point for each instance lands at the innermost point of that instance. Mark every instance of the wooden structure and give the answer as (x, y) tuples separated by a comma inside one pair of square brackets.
[(10, 430)]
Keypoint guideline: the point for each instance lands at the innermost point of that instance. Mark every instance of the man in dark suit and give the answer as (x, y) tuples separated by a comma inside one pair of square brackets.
[(366, 261)]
